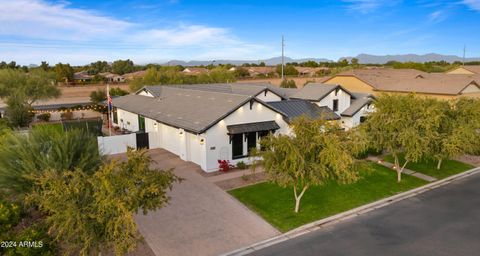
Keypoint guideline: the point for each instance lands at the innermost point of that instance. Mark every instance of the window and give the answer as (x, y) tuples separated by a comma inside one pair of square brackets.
[(252, 141), (237, 146), (141, 123), (335, 105), (363, 119), (115, 115)]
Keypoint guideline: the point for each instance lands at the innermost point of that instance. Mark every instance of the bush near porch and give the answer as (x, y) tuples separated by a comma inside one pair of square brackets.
[(429, 167), (276, 204)]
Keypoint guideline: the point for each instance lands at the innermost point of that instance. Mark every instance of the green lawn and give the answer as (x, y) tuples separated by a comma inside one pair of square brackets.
[(54, 126), (429, 167), (276, 204)]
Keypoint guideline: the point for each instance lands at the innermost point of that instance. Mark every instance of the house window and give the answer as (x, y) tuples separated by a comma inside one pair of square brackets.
[(252, 141), (335, 105), (237, 146), (363, 119), (115, 116), (336, 91), (141, 123)]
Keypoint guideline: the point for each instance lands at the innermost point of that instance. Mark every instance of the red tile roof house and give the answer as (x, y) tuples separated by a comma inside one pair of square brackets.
[(204, 123)]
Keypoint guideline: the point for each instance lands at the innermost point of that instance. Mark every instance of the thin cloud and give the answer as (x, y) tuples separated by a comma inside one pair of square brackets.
[(367, 6), (472, 4), (31, 27)]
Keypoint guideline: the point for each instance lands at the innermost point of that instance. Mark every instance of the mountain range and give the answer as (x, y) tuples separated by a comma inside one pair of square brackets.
[(362, 58)]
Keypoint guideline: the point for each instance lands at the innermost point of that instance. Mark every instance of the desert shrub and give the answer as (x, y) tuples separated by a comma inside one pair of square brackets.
[(10, 215), (33, 240), (241, 165)]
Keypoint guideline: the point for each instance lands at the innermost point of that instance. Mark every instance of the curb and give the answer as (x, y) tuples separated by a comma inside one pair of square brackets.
[(307, 228)]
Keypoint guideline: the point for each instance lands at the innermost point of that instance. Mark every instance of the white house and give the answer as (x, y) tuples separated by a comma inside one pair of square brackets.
[(204, 123), (352, 107)]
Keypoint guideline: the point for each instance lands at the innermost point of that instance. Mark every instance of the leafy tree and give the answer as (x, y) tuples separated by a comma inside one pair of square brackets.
[(319, 151), (22, 156), (354, 62), (117, 91), (98, 96), (457, 133), (241, 72), (288, 84), (343, 63), (21, 90), (44, 66), (404, 123), (289, 70), (93, 212), (98, 67), (121, 67), (63, 72), (261, 64)]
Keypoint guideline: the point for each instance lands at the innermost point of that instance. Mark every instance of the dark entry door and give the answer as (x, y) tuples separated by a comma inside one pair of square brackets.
[(142, 140), (252, 141)]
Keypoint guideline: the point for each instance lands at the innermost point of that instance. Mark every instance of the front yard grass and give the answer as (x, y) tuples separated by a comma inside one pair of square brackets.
[(276, 204), (429, 167)]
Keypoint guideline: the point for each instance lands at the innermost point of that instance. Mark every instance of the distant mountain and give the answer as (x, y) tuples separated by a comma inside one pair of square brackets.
[(268, 62), (382, 59), (362, 58)]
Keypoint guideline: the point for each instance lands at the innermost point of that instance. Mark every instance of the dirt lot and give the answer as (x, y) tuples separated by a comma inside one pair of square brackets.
[(85, 90), (299, 81)]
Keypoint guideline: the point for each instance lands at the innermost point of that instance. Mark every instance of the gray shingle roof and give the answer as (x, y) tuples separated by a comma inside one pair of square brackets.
[(361, 100), (252, 127), (296, 108), (316, 91), (191, 110)]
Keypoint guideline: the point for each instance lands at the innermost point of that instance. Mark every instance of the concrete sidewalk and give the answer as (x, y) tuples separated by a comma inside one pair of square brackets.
[(405, 170)]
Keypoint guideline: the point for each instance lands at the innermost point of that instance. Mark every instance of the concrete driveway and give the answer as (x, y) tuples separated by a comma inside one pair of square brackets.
[(201, 219), (443, 221)]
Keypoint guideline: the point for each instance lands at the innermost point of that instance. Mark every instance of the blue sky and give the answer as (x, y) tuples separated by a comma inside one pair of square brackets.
[(83, 31)]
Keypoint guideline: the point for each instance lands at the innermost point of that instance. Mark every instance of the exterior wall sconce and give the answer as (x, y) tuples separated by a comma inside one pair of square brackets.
[(202, 141), (180, 132)]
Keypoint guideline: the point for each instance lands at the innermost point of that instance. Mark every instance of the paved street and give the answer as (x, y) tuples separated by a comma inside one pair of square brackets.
[(201, 218), (444, 221)]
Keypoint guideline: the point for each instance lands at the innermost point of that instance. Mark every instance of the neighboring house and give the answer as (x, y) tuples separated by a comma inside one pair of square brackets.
[(195, 71), (112, 78), (82, 76), (203, 123), (261, 71), (311, 72), (133, 75), (465, 70), (438, 85)]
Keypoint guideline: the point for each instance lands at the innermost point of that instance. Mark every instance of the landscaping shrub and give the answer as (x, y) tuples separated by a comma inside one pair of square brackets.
[(67, 115), (224, 165), (44, 117), (33, 240), (10, 214), (241, 165)]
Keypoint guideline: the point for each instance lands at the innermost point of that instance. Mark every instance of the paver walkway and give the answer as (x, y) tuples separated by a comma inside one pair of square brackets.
[(233, 175), (405, 170), (201, 218)]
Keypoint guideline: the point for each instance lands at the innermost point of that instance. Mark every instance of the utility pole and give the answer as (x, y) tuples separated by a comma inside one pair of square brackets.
[(283, 56), (464, 49)]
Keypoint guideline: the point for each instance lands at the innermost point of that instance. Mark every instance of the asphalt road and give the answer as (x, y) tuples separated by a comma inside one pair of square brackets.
[(443, 221)]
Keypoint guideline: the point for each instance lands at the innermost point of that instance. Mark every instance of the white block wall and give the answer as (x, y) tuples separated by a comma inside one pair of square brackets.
[(268, 97)]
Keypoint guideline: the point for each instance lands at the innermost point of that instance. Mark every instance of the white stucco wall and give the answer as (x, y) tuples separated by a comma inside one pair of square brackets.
[(218, 142), (127, 120), (343, 101), (203, 149), (145, 93), (350, 122), (268, 97), (116, 144)]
